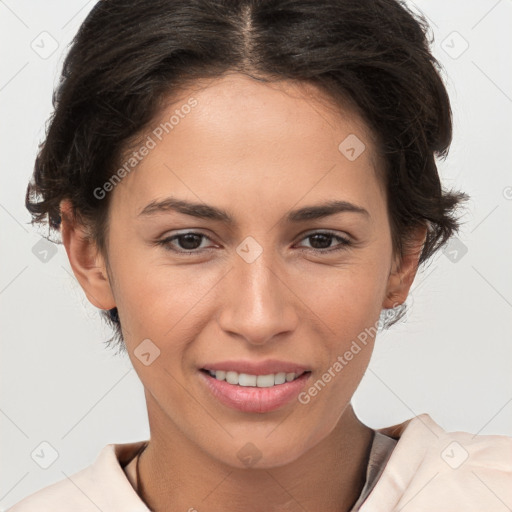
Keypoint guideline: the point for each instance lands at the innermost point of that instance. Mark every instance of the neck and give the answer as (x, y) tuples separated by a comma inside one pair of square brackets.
[(175, 475)]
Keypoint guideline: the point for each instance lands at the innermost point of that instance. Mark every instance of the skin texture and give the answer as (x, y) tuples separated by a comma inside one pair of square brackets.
[(258, 151)]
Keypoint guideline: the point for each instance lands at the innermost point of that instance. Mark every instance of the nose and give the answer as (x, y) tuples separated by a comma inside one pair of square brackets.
[(258, 303)]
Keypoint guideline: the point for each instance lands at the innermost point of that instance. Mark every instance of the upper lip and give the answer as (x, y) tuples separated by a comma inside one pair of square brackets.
[(257, 368)]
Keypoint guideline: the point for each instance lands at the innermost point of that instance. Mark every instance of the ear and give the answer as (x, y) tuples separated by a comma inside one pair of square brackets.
[(85, 259), (403, 272)]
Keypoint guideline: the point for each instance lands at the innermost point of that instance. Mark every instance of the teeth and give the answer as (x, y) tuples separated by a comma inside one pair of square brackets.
[(260, 381)]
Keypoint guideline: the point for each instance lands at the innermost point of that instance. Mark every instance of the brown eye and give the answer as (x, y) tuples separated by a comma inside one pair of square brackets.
[(185, 243), (321, 242), (189, 241)]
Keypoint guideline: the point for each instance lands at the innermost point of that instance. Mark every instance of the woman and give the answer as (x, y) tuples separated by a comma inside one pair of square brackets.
[(243, 188)]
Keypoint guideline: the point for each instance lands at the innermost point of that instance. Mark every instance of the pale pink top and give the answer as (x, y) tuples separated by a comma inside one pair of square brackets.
[(426, 470), (381, 450)]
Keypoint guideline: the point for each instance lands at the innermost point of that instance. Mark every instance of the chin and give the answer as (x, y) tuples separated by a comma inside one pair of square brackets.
[(258, 453)]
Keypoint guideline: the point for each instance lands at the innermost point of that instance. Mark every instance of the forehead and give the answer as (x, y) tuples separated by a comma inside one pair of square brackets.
[(236, 105), (236, 135)]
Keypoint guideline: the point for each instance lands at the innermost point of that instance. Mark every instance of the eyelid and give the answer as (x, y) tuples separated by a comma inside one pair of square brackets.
[(320, 231), (345, 241), (166, 240)]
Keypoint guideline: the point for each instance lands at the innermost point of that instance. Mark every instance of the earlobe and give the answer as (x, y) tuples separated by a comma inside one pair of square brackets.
[(85, 259), (403, 272)]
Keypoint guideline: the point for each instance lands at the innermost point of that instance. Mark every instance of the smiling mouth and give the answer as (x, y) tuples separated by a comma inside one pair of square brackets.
[(249, 380)]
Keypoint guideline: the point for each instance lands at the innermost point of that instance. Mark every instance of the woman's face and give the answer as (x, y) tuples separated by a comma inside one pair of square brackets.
[(253, 288)]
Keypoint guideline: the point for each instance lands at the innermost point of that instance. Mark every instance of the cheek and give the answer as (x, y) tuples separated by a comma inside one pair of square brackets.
[(347, 297), (349, 304), (159, 300), (350, 310)]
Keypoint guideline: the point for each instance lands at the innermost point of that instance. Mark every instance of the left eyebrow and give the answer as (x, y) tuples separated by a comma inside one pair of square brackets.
[(205, 211), (324, 210)]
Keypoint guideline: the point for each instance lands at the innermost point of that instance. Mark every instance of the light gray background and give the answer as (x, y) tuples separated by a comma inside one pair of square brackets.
[(451, 357)]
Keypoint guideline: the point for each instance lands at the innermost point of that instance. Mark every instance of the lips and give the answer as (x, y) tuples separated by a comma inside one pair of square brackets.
[(265, 367), (253, 399)]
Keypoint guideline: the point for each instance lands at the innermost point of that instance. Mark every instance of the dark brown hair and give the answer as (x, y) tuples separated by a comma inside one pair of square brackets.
[(130, 55)]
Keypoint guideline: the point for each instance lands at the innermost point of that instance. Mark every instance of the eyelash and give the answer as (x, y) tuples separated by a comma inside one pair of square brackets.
[(344, 243)]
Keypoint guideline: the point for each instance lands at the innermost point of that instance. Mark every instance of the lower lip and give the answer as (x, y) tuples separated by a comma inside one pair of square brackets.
[(254, 399)]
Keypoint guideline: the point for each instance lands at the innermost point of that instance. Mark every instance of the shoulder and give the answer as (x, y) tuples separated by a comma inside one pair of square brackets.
[(101, 486), (432, 469)]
